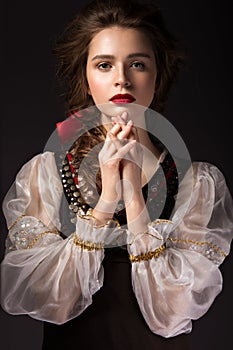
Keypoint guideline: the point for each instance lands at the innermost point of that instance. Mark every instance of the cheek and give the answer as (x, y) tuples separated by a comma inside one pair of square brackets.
[(148, 86), (96, 84)]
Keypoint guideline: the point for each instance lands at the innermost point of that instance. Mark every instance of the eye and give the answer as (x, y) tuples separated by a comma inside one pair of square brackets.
[(104, 66), (138, 65)]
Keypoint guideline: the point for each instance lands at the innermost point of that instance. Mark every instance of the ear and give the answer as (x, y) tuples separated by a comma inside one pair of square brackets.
[(88, 91)]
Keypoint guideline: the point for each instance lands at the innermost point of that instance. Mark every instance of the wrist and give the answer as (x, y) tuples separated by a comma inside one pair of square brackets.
[(111, 189), (132, 195), (104, 210), (137, 216)]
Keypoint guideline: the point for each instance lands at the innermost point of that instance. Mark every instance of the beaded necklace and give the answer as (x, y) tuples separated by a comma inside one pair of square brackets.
[(158, 193)]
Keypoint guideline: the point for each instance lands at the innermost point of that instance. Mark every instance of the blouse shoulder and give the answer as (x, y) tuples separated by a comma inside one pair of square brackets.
[(206, 169), (45, 158), (204, 172), (37, 182)]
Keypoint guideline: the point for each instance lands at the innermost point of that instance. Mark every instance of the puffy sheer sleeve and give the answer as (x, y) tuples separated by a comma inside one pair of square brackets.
[(175, 272), (43, 275)]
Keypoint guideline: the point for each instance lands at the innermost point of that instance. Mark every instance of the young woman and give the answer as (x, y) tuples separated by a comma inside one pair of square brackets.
[(129, 255)]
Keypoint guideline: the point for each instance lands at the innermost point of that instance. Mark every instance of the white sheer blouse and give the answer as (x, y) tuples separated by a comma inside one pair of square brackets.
[(175, 273)]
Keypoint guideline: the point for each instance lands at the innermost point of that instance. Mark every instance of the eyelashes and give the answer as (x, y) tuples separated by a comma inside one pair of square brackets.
[(138, 65), (106, 66)]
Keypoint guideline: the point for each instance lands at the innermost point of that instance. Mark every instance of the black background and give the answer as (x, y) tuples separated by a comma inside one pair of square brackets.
[(199, 107)]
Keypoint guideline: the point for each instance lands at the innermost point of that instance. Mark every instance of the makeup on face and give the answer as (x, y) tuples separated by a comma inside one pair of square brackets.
[(122, 98), (121, 68)]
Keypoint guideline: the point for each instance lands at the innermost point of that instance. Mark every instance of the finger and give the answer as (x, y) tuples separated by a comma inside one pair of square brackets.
[(124, 116), (126, 131), (115, 129), (108, 149), (134, 134), (114, 150), (111, 143), (125, 149), (121, 131), (118, 120), (118, 143), (130, 122), (123, 134), (121, 118)]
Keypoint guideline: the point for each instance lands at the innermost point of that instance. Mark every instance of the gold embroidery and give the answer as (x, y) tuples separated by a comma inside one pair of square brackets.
[(15, 222), (36, 239), (89, 216), (159, 221), (86, 244), (114, 221), (216, 248), (148, 256)]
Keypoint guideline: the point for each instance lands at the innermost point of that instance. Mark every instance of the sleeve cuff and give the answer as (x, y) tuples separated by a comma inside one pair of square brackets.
[(106, 236), (151, 243)]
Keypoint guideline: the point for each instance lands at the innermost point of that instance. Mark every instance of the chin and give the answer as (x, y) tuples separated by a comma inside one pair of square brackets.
[(114, 109)]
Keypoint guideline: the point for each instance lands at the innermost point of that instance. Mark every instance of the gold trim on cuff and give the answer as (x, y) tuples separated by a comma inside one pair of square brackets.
[(160, 221), (86, 244), (216, 248), (15, 222), (148, 256), (89, 216), (39, 236)]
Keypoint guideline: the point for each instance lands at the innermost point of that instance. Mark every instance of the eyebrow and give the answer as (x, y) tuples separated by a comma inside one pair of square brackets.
[(111, 57)]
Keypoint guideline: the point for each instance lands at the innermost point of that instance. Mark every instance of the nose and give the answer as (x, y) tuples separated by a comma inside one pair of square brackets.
[(121, 77)]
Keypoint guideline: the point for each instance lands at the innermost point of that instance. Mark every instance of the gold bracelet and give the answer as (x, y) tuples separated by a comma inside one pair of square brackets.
[(86, 244), (148, 256)]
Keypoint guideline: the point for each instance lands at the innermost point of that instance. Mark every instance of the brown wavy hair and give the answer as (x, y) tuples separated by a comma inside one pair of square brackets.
[(71, 48)]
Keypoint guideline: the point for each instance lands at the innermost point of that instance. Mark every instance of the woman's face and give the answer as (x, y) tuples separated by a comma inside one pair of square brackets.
[(121, 68)]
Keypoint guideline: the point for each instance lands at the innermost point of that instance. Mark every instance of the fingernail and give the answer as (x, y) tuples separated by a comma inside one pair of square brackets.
[(124, 115), (130, 122), (132, 142)]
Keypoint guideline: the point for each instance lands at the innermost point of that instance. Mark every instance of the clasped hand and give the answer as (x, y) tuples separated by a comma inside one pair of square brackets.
[(120, 162)]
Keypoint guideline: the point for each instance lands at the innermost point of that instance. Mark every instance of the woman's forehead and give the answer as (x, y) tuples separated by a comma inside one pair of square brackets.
[(116, 40)]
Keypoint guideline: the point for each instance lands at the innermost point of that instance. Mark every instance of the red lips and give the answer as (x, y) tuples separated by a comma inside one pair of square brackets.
[(122, 98)]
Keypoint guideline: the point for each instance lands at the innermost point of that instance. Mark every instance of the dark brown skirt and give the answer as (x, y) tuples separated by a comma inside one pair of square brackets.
[(113, 320)]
